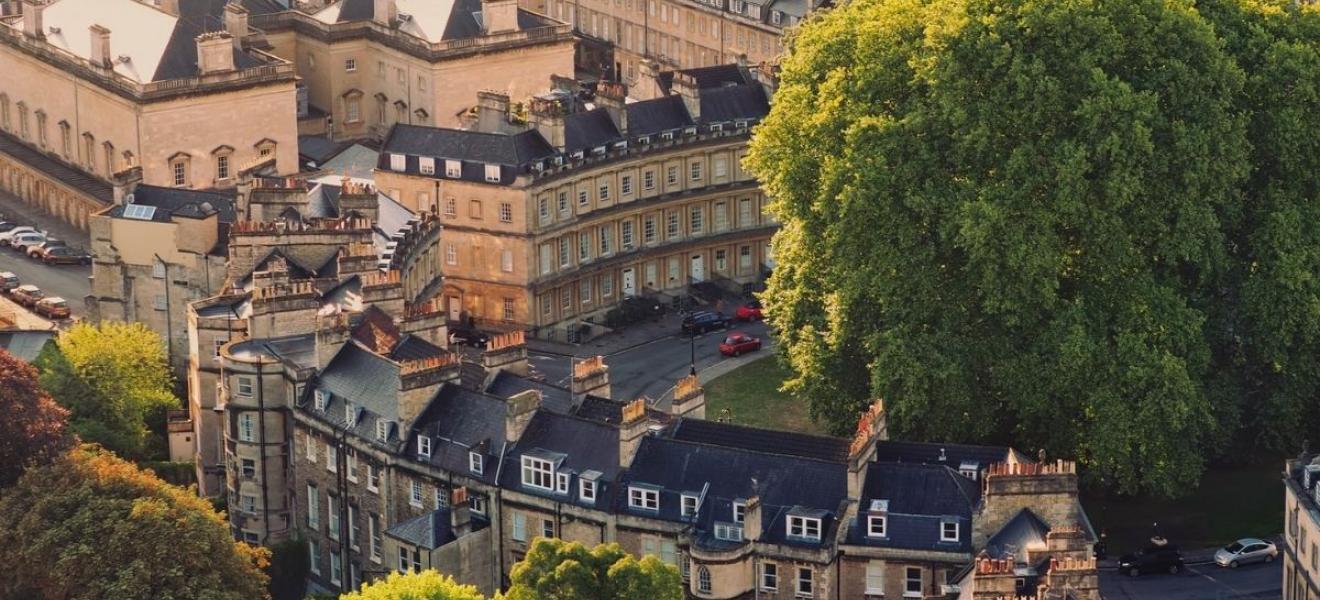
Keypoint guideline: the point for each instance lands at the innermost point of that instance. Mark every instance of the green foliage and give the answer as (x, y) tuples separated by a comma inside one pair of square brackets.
[(115, 380), (557, 570), (92, 526), (1082, 225), (34, 428), (289, 565), (424, 585)]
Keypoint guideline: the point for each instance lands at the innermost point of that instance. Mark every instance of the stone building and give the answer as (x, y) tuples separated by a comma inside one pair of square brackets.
[(1301, 539), (552, 221), (93, 87), (372, 64)]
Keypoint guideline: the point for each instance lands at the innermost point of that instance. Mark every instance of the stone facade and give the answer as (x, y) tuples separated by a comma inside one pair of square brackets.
[(1300, 551)]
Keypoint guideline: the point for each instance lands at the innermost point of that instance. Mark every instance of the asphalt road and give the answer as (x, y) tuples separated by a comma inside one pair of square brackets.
[(1199, 582), (67, 281), (650, 369)]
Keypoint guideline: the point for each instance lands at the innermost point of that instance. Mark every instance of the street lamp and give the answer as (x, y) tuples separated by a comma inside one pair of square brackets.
[(692, 348)]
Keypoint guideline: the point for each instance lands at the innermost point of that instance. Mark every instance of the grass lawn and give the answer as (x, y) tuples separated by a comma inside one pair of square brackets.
[(1231, 502), (751, 393)]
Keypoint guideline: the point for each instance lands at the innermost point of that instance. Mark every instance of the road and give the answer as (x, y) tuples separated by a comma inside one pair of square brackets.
[(67, 281), (650, 369), (1198, 582)]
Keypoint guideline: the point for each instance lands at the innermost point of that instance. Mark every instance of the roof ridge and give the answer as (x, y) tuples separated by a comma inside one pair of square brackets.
[(749, 450)]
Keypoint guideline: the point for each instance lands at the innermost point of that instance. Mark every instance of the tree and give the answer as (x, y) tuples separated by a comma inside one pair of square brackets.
[(557, 570), (288, 568), (92, 526), (1073, 225), (115, 380), (424, 585), (34, 430)]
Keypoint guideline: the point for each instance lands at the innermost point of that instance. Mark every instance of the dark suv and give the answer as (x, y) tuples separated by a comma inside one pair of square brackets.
[(1152, 559), (467, 336), (701, 322)]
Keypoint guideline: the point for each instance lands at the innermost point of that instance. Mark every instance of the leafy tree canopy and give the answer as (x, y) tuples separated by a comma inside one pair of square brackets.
[(557, 570), (424, 585), (115, 380), (34, 427), (92, 526), (1082, 225)]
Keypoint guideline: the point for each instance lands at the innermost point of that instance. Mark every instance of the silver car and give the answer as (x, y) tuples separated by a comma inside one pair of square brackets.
[(1244, 551)]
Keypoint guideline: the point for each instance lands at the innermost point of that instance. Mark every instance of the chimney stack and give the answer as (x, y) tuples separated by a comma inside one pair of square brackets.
[(386, 12), (499, 16), (33, 25), (492, 111), (169, 6), (631, 431), (236, 22), (752, 519), (547, 115), (100, 49), (613, 97), (520, 408), (686, 86), (215, 52), (460, 512), (126, 182), (648, 81)]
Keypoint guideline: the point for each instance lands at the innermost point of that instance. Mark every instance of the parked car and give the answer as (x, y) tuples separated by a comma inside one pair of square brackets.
[(737, 343), (1152, 559), (7, 226), (8, 281), (703, 321), (23, 241), (1244, 551), (65, 255), (7, 237), (750, 311), (27, 294), (39, 250), (53, 307), (467, 336)]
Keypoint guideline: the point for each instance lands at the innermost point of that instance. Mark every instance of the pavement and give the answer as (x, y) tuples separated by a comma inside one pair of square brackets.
[(1197, 582), (67, 281)]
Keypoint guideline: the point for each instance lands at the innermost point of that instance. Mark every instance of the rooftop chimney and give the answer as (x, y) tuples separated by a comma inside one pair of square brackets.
[(169, 6), (648, 81), (460, 512), (547, 115), (492, 111), (215, 52), (386, 12), (613, 97), (752, 519), (631, 431), (520, 408), (499, 16), (100, 49), (686, 86), (236, 22), (33, 25)]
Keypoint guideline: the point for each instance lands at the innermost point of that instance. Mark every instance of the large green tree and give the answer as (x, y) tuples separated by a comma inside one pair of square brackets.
[(91, 526), (34, 429), (1081, 225), (557, 570), (115, 380), (425, 585)]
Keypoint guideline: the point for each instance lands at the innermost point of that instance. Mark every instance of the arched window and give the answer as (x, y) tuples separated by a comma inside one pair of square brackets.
[(703, 580)]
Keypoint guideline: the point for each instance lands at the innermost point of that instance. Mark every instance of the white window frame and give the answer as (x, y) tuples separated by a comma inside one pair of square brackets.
[(739, 512), (534, 469), (561, 483), (453, 169), (871, 523), (398, 163), (350, 65), (313, 508), (805, 587), (423, 446), (314, 554), (414, 493), (908, 580), (493, 173), (382, 431), (426, 165), (373, 478), (519, 527), (643, 498), (703, 580), (331, 458), (769, 577), (506, 212), (476, 463), (247, 427), (875, 578), (587, 490), (243, 386), (312, 450), (321, 399), (506, 260), (808, 527), (688, 505), (944, 531), (374, 541)]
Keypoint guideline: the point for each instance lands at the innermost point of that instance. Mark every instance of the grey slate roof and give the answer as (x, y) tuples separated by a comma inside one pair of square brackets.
[(926, 452), (654, 116), (431, 530), (192, 204), (582, 446), (462, 21), (367, 380), (512, 152), (921, 497), (179, 60), (91, 185), (733, 103), (761, 440), (708, 77), (25, 345), (461, 421), (588, 129), (553, 398), (1024, 530)]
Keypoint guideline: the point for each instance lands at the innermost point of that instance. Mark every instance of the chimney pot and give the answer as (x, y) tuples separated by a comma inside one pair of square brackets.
[(236, 22), (499, 16), (215, 52)]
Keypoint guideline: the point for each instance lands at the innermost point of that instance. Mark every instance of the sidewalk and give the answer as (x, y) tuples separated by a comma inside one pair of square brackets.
[(619, 340)]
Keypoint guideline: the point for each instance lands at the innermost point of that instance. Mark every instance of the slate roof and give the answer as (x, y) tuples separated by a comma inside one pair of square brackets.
[(654, 116), (460, 421), (25, 345), (920, 498), (179, 60), (431, 530), (708, 77), (298, 351), (91, 185), (192, 204), (1025, 530), (576, 445), (761, 440), (589, 129), (364, 378), (430, 20), (553, 398), (930, 453), (733, 103), (319, 148)]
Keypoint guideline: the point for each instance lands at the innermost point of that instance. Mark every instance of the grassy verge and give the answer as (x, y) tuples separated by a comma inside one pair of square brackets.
[(1230, 503), (751, 394)]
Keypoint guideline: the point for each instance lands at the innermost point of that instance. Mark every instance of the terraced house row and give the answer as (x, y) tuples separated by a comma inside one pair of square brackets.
[(554, 214)]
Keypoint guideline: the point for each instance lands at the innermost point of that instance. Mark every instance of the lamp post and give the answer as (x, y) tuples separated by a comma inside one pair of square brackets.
[(692, 349)]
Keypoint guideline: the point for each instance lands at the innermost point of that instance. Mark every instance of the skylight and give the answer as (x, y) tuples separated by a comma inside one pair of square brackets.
[(139, 212)]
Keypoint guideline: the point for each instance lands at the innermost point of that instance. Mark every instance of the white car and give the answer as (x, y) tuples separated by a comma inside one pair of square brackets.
[(1244, 551), (22, 241), (12, 233)]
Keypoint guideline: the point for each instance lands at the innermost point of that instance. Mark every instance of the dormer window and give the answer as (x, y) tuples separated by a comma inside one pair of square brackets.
[(643, 498), (398, 162), (969, 469), (948, 531), (322, 399), (537, 473), (587, 490), (349, 414), (476, 462), (876, 525), (453, 169), (739, 511), (561, 483), (382, 431), (804, 528), (423, 446), (688, 508), (728, 532), (426, 165), (646, 139), (493, 173)]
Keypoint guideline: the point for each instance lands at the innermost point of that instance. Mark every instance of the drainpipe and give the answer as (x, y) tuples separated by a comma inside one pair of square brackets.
[(169, 326), (261, 422)]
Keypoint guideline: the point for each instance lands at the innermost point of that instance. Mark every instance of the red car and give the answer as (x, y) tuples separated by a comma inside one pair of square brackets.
[(737, 343), (749, 312)]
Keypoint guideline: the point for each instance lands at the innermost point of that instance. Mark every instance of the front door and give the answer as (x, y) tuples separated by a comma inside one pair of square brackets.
[(455, 308), (629, 283), (698, 268)]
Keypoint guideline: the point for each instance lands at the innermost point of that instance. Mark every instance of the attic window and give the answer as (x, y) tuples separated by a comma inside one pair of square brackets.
[(493, 173), (646, 139), (643, 498), (587, 491), (717, 127), (426, 165), (776, 17), (740, 124), (948, 531), (876, 525), (398, 162), (382, 431), (668, 135), (969, 470), (349, 415), (476, 462), (689, 505), (537, 473), (561, 483), (728, 533), (322, 399), (423, 446), (739, 511), (453, 169), (804, 528)]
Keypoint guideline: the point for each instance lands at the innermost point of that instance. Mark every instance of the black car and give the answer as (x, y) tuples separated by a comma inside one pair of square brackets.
[(1153, 559), (467, 336), (700, 322)]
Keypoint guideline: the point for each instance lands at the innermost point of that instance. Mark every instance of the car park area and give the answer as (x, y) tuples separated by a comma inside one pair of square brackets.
[(60, 268)]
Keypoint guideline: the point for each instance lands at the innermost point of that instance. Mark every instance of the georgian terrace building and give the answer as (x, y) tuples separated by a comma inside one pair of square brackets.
[(400, 456), (1301, 540), (90, 88), (553, 217)]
